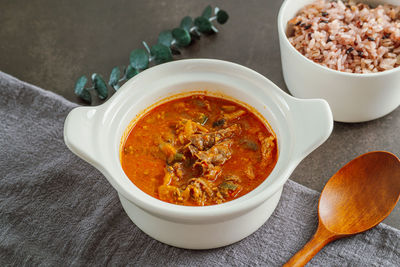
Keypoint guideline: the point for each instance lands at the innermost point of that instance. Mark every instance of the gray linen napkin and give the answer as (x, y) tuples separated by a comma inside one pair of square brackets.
[(56, 210)]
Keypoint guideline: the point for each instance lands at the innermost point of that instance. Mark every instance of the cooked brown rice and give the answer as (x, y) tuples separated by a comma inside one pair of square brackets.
[(349, 37)]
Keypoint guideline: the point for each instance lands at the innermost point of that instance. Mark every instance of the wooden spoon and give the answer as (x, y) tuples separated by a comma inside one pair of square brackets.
[(358, 197)]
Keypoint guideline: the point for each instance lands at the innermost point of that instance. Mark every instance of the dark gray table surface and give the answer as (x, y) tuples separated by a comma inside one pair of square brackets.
[(51, 43)]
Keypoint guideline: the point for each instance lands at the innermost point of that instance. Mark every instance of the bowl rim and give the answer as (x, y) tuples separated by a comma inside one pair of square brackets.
[(282, 33)]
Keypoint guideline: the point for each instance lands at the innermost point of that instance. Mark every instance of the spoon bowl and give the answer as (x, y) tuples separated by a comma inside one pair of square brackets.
[(361, 194), (355, 199)]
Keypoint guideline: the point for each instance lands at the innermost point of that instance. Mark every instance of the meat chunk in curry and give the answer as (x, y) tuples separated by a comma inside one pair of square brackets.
[(199, 150)]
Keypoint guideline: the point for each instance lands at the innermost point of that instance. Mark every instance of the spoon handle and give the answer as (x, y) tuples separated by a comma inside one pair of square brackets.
[(321, 237)]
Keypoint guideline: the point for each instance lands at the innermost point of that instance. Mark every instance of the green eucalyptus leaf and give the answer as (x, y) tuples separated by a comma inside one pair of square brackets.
[(165, 38), (186, 23), (85, 95), (207, 12), (80, 84), (222, 16), (81, 91), (100, 86), (161, 53), (203, 25), (139, 59), (130, 72), (181, 36), (114, 76)]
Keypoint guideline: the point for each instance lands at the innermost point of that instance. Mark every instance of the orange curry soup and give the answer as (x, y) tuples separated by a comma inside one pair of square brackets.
[(199, 150)]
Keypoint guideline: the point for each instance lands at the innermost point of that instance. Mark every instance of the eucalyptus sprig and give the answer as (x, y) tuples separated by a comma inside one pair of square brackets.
[(168, 44)]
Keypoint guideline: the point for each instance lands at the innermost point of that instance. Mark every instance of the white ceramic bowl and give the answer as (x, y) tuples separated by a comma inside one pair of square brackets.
[(352, 97), (94, 134)]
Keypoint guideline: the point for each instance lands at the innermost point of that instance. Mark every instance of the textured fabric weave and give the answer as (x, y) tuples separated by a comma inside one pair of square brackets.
[(57, 210)]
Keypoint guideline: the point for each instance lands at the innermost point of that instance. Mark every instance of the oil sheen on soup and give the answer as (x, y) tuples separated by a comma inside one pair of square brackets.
[(199, 150)]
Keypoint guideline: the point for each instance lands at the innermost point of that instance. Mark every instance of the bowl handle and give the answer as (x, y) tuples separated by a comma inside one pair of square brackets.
[(78, 133), (313, 124)]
